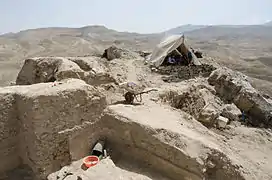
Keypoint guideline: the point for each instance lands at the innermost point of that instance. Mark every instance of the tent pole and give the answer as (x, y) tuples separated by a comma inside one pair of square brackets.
[(178, 52), (182, 55)]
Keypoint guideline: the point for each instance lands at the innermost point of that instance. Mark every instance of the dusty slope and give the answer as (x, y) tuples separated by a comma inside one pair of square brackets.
[(152, 133), (246, 49), (62, 42), (248, 52), (243, 153), (234, 145), (247, 148)]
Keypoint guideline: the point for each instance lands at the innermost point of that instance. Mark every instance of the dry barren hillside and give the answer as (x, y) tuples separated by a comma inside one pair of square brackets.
[(247, 49), (244, 48), (203, 122), (14, 48)]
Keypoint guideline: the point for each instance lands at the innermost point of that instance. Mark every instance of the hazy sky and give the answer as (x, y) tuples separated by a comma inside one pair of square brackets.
[(130, 15)]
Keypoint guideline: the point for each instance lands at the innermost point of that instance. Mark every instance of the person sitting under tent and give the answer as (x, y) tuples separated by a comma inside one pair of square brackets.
[(178, 59), (171, 60)]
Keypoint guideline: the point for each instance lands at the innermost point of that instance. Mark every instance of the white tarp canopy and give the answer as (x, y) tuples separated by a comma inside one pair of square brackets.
[(166, 46)]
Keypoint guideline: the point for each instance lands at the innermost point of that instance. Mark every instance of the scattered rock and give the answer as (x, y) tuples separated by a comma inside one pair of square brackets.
[(197, 101), (208, 115), (210, 165), (222, 122), (231, 112), (180, 73), (189, 101), (233, 87), (112, 53)]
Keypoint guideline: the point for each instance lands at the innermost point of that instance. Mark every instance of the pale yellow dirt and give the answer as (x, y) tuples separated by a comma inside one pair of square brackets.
[(107, 169), (248, 149)]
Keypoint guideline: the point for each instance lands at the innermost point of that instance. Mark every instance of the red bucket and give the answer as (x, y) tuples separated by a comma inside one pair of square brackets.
[(90, 161)]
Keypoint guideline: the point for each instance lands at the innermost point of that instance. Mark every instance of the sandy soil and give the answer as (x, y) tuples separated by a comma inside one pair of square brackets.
[(248, 148), (107, 169)]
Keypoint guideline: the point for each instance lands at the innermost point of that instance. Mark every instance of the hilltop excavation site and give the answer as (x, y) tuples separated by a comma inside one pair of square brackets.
[(170, 114)]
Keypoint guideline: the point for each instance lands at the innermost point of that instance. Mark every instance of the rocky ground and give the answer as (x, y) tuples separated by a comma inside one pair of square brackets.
[(191, 128), (249, 53)]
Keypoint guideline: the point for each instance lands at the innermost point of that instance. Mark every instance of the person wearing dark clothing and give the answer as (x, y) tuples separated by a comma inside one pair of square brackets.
[(190, 56)]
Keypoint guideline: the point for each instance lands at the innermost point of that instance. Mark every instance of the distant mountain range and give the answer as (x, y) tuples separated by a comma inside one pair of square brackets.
[(190, 27), (184, 28), (268, 23)]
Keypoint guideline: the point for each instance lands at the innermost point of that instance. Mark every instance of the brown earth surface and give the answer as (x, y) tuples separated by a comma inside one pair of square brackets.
[(66, 98), (172, 134)]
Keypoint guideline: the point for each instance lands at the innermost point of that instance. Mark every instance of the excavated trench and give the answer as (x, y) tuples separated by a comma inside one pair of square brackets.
[(159, 150), (149, 145)]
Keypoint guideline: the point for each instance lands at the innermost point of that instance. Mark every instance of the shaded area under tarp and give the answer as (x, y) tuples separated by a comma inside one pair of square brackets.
[(172, 44)]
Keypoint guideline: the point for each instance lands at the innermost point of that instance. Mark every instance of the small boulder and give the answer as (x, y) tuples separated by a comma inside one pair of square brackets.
[(50, 69), (112, 53), (231, 112), (208, 115), (233, 87), (222, 122)]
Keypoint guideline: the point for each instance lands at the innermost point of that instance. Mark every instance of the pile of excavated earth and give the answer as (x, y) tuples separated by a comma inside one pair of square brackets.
[(213, 125)]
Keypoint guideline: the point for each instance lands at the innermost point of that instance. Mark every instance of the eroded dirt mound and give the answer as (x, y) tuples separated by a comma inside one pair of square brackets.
[(50, 69), (180, 73), (149, 135), (198, 101), (114, 52), (190, 101), (47, 126)]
